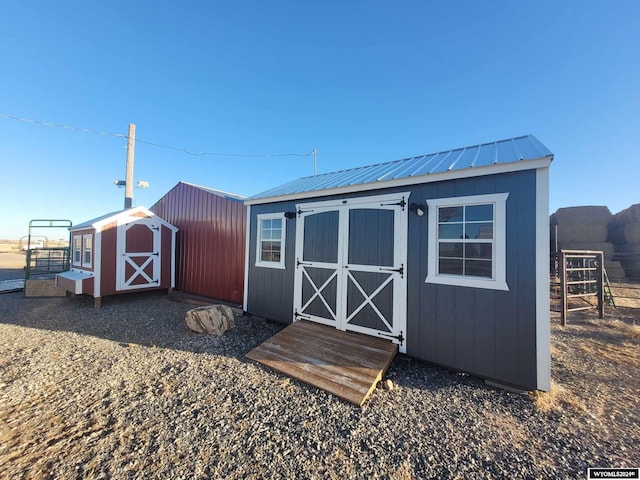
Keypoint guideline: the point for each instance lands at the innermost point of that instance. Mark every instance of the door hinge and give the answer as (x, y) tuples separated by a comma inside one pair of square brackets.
[(399, 337), (154, 228), (297, 315), (396, 270), (298, 263), (300, 211), (402, 203)]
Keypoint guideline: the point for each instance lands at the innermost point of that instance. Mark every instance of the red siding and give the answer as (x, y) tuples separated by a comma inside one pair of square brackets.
[(210, 241), (108, 264)]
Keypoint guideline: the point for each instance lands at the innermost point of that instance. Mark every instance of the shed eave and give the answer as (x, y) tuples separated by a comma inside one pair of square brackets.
[(103, 221), (468, 172)]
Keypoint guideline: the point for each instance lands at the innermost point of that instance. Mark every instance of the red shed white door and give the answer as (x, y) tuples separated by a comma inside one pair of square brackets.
[(138, 255)]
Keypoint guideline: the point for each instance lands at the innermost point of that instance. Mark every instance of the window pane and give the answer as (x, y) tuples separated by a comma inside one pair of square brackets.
[(453, 230), (276, 223), (270, 252), (266, 255), (479, 230), (265, 235), (276, 234), (265, 224), (478, 250), (478, 268), (450, 214), (450, 249), (450, 266), (475, 213)]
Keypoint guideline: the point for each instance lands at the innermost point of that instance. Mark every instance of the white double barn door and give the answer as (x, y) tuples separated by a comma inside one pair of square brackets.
[(351, 261)]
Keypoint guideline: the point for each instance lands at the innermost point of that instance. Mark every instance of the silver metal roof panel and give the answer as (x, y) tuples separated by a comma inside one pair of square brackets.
[(502, 152)]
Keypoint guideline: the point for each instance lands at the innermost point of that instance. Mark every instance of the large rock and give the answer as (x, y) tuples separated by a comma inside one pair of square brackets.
[(213, 320)]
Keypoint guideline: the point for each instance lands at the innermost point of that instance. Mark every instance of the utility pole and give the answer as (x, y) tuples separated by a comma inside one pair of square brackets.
[(128, 186), (315, 163)]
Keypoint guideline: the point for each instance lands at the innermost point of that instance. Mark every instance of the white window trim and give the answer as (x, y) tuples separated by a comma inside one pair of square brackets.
[(74, 262), (271, 216), (499, 280), (90, 262)]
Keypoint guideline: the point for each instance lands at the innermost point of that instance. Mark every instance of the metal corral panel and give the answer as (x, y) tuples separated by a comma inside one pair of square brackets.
[(210, 258), (502, 152)]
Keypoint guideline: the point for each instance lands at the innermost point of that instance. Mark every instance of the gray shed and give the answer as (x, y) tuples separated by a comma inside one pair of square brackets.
[(445, 255)]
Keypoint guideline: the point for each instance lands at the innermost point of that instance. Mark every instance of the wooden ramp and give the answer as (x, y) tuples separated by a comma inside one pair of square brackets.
[(348, 365)]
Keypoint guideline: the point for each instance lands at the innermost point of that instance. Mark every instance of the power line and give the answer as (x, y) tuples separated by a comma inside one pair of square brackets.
[(191, 152), (67, 127), (158, 145)]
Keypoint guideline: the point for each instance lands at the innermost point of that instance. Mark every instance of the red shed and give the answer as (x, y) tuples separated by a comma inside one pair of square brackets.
[(211, 249), (125, 251)]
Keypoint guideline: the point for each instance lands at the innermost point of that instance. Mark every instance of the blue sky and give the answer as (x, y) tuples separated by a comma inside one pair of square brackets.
[(363, 82)]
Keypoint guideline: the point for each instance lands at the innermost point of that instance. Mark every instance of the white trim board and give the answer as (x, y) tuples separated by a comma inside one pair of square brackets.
[(343, 268), (283, 240), (499, 279), (247, 240), (543, 327)]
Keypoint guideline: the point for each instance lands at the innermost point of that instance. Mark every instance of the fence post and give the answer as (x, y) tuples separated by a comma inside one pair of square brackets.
[(600, 279), (563, 288)]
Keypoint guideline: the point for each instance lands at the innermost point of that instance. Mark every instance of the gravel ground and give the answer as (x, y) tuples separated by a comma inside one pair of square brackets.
[(127, 392)]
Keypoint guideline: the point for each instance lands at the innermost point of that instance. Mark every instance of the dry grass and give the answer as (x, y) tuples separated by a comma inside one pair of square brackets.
[(629, 329), (626, 294), (595, 370), (558, 399)]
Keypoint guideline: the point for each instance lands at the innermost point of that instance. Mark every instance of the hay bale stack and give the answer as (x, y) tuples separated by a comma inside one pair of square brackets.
[(583, 228), (628, 254), (624, 232), (615, 270), (624, 227), (604, 247), (580, 224)]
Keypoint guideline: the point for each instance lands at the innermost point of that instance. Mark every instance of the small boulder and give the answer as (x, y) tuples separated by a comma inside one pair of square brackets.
[(387, 384), (212, 320)]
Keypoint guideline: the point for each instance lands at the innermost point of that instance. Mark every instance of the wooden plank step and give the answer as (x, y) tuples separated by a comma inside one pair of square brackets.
[(348, 365)]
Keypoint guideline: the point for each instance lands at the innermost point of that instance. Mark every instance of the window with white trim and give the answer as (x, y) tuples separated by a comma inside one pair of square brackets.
[(77, 250), (87, 250), (467, 241), (270, 240)]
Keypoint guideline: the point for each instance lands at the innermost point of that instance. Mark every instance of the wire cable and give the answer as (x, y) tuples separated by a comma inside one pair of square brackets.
[(158, 145)]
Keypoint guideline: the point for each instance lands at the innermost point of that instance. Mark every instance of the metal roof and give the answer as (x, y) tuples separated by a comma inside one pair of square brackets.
[(423, 168), (90, 223), (100, 221), (220, 193)]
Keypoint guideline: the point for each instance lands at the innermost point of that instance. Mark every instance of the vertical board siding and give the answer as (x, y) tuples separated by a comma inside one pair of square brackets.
[(489, 333), (210, 241), (108, 259), (270, 292)]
